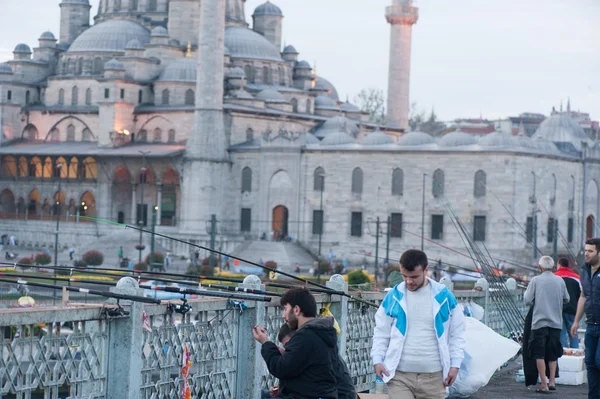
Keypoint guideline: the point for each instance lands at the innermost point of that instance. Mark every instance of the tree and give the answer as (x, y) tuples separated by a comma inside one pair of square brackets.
[(420, 121), (372, 101)]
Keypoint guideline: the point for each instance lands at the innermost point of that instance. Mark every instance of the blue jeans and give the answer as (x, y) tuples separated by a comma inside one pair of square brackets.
[(592, 360), (566, 339)]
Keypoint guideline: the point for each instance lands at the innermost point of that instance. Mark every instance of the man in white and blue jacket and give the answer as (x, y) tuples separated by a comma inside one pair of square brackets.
[(419, 337)]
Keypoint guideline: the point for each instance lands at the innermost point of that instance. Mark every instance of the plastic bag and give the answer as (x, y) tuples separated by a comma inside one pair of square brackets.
[(485, 352), (325, 312), (477, 311)]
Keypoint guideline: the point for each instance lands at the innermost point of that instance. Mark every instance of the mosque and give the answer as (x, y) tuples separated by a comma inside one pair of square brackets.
[(178, 110)]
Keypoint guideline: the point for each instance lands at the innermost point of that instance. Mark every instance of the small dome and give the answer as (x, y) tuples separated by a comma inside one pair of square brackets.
[(561, 128), (236, 73), (160, 31), (415, 138), (5, 69), (240, 94), (347, 107), (303, 65), (378, 138), (271, 96), (456, 139), (337, 124), (498, 139), (289, 49), (338, 138), (311, 139), (134, 44), (182, 70), (22, 49), (110, 36), (246, 44), (324, 84), (114, 65), (268, 8), (47, 36), (323, 102)]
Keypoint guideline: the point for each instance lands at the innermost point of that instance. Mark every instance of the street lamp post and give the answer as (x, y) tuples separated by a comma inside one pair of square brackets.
[(322, 188), (141, 211), (423, 215), (152, 238), (59, 166)]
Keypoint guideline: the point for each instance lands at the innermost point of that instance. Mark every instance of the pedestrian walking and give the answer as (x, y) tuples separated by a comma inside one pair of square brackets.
[(589, 303), (120, 254), (304, 369), (419, 336), (548, 293), (71, 252), (573, 284)]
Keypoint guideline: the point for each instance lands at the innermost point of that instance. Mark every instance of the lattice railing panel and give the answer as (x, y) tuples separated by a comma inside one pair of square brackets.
[(212, 341), (44, 361)]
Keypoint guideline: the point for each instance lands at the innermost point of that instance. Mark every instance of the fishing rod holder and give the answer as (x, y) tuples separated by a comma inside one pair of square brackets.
[(119, 312), (181, 308), (233, 304)]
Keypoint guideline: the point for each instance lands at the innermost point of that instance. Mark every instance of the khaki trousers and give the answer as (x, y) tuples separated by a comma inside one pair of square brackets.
[(416, 386)]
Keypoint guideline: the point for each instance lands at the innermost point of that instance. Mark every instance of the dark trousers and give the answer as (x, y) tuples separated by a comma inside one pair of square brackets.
[(592, 360)]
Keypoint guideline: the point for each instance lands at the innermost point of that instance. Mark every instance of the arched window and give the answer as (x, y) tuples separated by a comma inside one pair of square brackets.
[(437, 188), (267, 76), (151, 5), (73, 168), (61, 97), (35, 167), (294, 105), (9, 166), (88, 97), (281, 76), (53, 135), (27, 97), (308, 106), (79, 66), (133, 5), (142, 136), (90, 169), (246, 179), (98, 66), (398, 182), (117, 5), (319, 179), (86, 135), (479, 187), (61, 169), (171, 138), (23, 167), (74, 95), (572, 194), (553, 194), (30, 132), (357, 181), (190, 98), (249, 72), (157, 137), (70, 133), (47, 172), (249, 134), (165, 97)]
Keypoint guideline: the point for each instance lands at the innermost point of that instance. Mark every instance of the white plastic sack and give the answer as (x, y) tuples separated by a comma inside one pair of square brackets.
[(477, 311), (486, 351)]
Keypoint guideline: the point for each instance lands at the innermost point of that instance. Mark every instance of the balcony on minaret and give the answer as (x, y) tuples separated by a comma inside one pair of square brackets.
[(404, 14)]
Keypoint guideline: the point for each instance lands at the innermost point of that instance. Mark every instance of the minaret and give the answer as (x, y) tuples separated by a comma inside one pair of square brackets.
[(74, 19), (235, 13), (206, 163), (402, 16)]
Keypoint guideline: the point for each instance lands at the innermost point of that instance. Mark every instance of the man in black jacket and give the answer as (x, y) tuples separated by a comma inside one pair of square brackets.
[(573, 284), (304, 369)]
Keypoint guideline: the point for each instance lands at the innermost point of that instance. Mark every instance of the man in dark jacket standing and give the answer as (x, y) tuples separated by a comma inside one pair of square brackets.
[(589, 303), (305, 368), (573, 284)]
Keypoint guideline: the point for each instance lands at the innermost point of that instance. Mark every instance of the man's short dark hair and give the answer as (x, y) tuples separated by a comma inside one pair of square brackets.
[(302, 298), (564, 262), (412, 258), (593, 241), (285, 331)]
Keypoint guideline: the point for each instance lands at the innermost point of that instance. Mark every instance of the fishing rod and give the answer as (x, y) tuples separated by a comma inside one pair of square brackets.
[(106, 294), (306, 282)]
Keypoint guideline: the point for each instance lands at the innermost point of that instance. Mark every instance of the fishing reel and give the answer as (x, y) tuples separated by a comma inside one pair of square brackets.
[(118, 312), (233, 304), (182, 308)]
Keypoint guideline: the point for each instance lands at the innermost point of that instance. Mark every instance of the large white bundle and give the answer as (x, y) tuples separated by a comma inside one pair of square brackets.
[(486, 351)]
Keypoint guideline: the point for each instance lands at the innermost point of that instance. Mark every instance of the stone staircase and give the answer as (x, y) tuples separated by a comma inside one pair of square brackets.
[(286, 254)]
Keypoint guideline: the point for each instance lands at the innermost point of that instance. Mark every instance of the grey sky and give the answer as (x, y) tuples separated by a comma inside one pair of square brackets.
[(494, 57)]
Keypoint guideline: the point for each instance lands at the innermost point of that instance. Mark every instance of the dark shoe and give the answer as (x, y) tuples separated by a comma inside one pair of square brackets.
[(552, 388), (540, 390)]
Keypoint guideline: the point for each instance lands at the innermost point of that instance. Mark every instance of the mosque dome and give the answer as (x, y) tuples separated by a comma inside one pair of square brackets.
[(5, 69), (47, 36), (272, 96), (110, 36), (236, 73), (415, 138), (498, 139), (347, 107), (114, 65), (159, 31), (302, 65), (561, 128), (338, 138), (134, 44), (457, 139), (311, 139), (378, 138), (324, 84), (289, 49), (182, 70), (268, 8), (337, 124), (240, 94), (247, 44), (324, 102), (22, 49)]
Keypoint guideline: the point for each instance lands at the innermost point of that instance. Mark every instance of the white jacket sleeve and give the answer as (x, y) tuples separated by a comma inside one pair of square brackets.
[(381, 335), (456, 336)]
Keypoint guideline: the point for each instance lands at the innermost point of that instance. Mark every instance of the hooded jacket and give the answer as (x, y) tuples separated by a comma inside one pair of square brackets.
[(573, 284), (305, 369)]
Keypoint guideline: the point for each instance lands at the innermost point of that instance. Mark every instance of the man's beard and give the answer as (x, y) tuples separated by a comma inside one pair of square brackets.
[(292, 321)]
